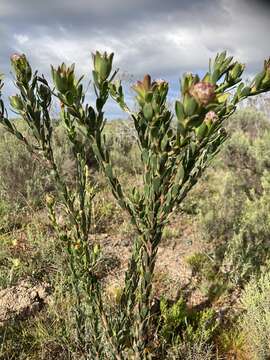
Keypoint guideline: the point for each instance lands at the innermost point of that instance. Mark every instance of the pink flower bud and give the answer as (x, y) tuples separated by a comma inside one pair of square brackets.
[(211, 117), (203, 92), (15, 57)]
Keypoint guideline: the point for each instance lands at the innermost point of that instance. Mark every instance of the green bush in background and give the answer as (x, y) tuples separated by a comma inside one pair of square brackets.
[(255, 322)]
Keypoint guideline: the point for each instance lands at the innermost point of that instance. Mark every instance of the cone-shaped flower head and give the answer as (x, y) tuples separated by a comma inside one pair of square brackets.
[(203, 92), (237, 70), (21, 67), (161, 88), (261, 82), (143, 87), (146, 89), (64, 78), (210, 118), (102, 65)]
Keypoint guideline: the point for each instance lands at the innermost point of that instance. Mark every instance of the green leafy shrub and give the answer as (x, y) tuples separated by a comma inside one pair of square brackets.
[(239, 158), (255, 322), (173, 318), (202, 266), (219, 212), (187, 331), (248, 250), (232, 211), (30, 251), (261, 152), (5, 216), (197, 351), (122, 144), (173, 157), (231, 342), (250, 121), (23, 180)]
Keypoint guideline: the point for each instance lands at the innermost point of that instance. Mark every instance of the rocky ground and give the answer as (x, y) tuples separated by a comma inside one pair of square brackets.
[(22, 300), (172, 276)]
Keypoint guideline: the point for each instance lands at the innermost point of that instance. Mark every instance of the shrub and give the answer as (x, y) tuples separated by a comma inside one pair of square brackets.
[(186, 333), (239, 158), (250, 121), (219, 211), (23, 180), (232, 211), (172, 157), (30, 251), (197, 351), (201, 265), (255, 322), (248, 250), (122, 144), (231, 342)]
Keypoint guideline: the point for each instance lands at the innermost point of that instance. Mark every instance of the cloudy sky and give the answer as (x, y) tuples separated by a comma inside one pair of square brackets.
[(162, 37)]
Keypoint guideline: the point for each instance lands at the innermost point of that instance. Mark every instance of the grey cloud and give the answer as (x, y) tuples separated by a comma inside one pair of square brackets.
[(161, 37), (102, 12)]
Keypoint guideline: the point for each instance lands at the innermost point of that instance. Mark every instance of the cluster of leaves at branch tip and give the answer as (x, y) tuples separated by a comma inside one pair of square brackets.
[(102, 66), (21, 68)]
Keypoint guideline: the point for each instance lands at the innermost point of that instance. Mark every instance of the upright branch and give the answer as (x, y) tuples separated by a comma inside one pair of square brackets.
[(175, 154), (87, 121), (32, 104)]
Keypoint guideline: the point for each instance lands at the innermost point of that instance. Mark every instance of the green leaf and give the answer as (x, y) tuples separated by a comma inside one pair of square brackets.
[(222, 97), (180, 174), (201, 131), (149, 96), (145, 156), (245, 91), (164, 143), (258, 79), (190, 105), (108, 171), (215, 76), (156, 184), (179, 110), (148, 111), (175, 190)]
